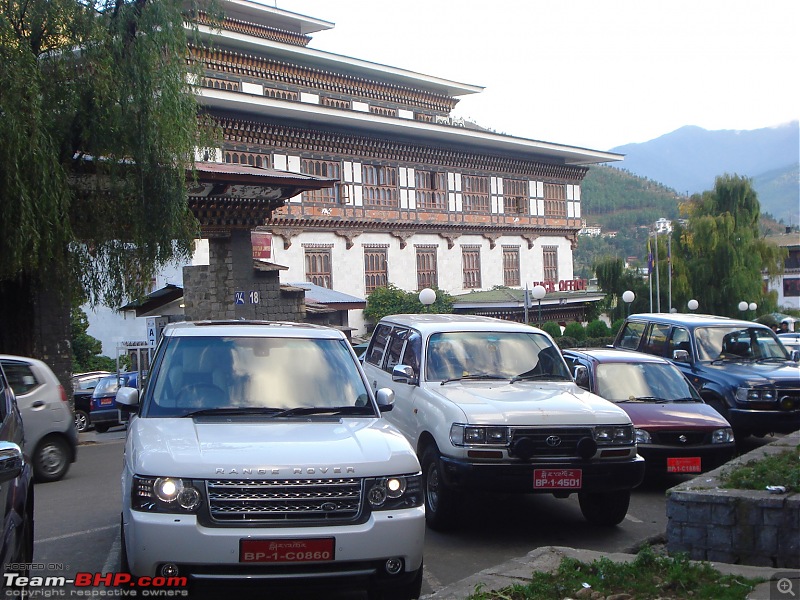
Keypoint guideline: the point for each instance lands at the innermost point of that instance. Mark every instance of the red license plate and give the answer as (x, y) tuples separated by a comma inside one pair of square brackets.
[(684, 465), (557, 479), (106, 401), (283, 551)]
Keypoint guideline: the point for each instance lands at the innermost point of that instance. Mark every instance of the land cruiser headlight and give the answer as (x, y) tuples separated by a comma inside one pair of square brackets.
[(390, 493), (617, 435), (723, 435), (165, 494), (478, 435), (643, 436), (750, 394)]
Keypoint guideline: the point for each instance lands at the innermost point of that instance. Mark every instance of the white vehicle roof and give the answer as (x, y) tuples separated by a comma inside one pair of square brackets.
[(434, 323), (251, 329)]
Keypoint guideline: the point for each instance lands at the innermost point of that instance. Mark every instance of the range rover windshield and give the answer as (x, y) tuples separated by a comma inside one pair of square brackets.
[(270, 376), (738, 343)]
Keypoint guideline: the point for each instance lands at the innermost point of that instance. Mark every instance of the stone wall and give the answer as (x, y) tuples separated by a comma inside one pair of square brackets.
[(750, 527), (210, 291)]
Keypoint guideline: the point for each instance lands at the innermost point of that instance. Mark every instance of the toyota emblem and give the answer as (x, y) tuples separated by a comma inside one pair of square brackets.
[(553, 441)]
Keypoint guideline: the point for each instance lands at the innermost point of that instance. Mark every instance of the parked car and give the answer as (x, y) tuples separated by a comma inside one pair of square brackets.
[(16, 490), (51, 440), (791, 342), (676, 432), (105, 413), (257, 450), (739, 367), (83, 385), (490, 405)]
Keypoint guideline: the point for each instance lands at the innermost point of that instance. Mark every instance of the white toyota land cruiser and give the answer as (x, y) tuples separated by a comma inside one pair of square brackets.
[(258, 451), (491, 405)]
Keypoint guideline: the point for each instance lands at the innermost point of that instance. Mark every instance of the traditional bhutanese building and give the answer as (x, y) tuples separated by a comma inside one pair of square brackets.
[(421, 199)]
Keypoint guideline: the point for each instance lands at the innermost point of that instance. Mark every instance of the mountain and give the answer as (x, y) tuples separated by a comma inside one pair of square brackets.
[(690, 158)]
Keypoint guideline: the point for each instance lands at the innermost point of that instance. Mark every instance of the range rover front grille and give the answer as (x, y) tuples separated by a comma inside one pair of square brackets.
[(280, 500), (545, 443)]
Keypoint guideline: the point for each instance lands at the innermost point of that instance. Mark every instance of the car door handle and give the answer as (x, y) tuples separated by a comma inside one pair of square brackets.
[(37, 404)]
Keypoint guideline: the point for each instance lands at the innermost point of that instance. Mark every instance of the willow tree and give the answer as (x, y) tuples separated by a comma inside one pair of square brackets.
[(98, 127), (720, 256)]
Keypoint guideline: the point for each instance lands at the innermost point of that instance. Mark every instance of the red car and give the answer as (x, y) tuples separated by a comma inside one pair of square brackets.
[(675, 430)]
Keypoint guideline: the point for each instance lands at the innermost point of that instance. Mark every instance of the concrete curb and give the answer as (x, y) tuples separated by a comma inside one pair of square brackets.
[(548, 558)]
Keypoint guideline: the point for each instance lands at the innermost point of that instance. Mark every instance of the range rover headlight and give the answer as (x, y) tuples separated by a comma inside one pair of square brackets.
[(724, 435), (478, 435), (750, 394), (165, 494), (389, 493), (613, 435)]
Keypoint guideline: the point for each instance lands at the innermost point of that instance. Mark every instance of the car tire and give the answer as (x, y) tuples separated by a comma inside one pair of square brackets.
[(51, 459), (440, 501), (102, 428), (409, 591), (82, 421), (605, 508)]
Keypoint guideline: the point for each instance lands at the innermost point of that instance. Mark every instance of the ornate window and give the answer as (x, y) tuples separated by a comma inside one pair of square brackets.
[(376, 271), (515, 196), (322, 168), (427, 275), (431, 190), (475, 194), (555, 200), (318, 267), (511, 266), (471, 266), (250, 159), (380, 186), (382, 110), (550, 262), (335, 102), (280, 94)]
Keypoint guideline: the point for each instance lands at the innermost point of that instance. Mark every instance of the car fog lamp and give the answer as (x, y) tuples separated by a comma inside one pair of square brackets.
[(395, 486), (167, 489), (189, 498), (787, 403), (377, 494), (394, 565), (169, 570)]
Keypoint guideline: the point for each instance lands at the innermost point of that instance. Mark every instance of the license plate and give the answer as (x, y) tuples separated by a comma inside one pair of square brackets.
[(684, 465), (557, 479), (286, 551), (106, 401)]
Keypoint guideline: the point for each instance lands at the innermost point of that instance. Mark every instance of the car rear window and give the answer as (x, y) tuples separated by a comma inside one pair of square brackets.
[(20, 377)]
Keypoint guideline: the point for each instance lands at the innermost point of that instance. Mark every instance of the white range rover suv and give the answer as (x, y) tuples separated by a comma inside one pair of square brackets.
[(258, 451), (491, 405)]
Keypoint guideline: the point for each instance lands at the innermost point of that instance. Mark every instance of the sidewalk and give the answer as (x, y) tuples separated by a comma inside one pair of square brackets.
[(547, 559)]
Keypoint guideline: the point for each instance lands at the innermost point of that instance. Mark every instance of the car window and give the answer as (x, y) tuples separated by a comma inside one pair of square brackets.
[(413, 351), (3, 407), (377, 344), (631, 334), (622, 382), (734, 343), (20, 377), (395, 348), (254, 373), (656, 342)]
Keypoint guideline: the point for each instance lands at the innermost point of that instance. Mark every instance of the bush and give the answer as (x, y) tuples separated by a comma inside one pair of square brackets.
[(575, 330), (597, 329), (616, 326), (565, 342), (554, 329)]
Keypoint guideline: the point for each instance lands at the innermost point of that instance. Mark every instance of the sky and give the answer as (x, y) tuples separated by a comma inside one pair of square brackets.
[(589, 73)]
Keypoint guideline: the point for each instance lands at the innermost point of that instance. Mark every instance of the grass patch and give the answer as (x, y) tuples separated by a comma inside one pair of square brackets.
[(648, 577), (776, 469)]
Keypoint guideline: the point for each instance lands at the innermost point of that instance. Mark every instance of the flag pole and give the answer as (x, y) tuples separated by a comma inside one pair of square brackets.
[(669, 267), (650, 269), (658, 284)]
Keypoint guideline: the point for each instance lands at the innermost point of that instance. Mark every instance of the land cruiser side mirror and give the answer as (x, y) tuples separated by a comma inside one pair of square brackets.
[(128, 398), (385, 398), (582, 377), (11, 461), (404, 374), (680, 356), (795, 355)]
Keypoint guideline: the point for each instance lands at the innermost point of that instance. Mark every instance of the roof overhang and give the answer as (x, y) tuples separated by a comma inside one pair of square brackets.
[(396, 128)]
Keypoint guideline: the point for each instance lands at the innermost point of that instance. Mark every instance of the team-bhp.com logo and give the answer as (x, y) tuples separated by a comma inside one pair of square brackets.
[(86, 584)]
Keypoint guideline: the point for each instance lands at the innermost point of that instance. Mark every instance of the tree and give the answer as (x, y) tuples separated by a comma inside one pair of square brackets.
[(614, 280), (719, 257), (86, 349), (391, 300), (95, 146)]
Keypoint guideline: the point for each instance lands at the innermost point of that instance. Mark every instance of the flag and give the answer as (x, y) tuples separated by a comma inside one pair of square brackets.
[(649, 258)]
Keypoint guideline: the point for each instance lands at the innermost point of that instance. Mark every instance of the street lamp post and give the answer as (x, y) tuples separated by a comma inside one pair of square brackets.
[(628, 297), (538, 292)]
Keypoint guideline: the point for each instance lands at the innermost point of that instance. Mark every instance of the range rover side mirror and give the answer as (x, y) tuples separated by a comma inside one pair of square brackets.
[(680, 356), (128, 398), (404, 374), (385, 398)]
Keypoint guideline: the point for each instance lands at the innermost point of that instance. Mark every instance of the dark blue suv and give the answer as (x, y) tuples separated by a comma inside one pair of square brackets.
[(105, 412), (739, 367)]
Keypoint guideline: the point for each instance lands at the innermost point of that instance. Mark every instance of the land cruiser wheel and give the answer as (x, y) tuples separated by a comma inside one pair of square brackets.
[(440, 502), (409, 591), (605, 508)]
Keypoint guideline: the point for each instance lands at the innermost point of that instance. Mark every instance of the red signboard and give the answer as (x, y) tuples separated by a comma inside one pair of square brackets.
[(684, 465), (262, 245), (557, 479), (283, 551)]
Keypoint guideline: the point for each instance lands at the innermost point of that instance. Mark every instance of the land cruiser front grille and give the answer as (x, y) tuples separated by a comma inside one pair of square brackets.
[(281, 500), (565, 446)]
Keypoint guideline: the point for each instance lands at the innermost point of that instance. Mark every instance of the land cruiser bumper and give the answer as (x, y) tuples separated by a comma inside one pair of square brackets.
[(764, 421)]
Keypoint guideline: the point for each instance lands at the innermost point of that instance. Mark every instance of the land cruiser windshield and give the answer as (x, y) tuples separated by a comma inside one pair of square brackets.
[(736, 343), (486, 355), (252, 375)]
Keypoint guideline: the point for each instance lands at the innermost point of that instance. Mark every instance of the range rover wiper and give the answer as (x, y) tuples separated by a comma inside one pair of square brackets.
[(325, 410), (230, 410), (652, 399), (532, 376), (475, 376)]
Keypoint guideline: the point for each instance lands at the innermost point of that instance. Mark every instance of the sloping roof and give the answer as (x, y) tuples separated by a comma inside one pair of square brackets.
[(321, 295), (165, 295), (510, 297)]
